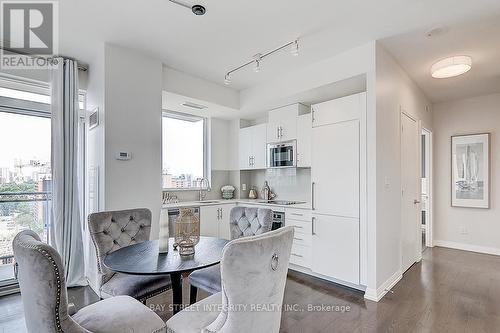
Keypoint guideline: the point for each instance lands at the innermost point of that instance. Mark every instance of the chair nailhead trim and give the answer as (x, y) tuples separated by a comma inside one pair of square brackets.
[(58, 280)]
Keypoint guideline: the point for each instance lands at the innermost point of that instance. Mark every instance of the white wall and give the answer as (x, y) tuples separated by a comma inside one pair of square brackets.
[(394, 90), (133, 84), (468, 116), (191, 86)]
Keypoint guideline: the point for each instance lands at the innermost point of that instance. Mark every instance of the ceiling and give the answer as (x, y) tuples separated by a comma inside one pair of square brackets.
[(234, 30), (478, 38)]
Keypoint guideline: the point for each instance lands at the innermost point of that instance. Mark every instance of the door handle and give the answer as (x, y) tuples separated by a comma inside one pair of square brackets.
[(313, 184), (312, 226), (415, 202)]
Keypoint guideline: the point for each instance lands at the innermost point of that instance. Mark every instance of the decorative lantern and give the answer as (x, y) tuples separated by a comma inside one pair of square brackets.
[(187, 231)]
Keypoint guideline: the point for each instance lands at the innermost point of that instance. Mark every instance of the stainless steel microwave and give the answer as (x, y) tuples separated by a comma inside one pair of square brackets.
[(282, 155)]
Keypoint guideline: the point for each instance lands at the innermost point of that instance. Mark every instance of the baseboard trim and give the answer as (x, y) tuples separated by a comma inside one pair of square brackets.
[(468, 247), (379, 293)]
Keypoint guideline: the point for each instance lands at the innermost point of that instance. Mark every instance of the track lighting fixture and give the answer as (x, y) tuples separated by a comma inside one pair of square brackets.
[(294, 48), (196, 9), (257, 59)]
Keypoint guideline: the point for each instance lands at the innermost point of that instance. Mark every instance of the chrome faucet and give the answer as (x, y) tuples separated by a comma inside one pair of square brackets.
[(204, 188)]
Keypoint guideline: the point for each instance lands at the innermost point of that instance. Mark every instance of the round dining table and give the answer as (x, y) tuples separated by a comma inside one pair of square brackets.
[(145, 259)]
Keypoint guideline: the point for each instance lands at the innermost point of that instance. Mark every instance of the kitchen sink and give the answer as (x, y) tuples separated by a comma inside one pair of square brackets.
[(208, 201)]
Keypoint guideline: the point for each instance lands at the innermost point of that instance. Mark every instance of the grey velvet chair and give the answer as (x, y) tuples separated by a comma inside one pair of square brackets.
[(43, 290), (113, 230), (243, 222), (253, 271)]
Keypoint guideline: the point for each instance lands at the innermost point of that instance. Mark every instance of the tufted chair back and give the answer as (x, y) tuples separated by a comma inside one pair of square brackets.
[(253, 271), (43, 287), (246, 221), (113, 230)]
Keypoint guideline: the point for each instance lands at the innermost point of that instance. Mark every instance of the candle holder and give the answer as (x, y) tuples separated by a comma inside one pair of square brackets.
[(187, 231)]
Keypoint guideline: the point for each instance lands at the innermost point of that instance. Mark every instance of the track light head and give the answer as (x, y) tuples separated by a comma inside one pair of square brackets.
[(198, 10), (294, 48)]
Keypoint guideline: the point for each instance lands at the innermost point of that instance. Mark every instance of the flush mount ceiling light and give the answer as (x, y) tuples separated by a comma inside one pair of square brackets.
[(450, 67), (257, 59), (196, 9)]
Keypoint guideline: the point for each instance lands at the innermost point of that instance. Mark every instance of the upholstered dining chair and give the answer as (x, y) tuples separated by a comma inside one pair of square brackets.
[(113, 230), (243, 222), (253, 271), (43, 290)]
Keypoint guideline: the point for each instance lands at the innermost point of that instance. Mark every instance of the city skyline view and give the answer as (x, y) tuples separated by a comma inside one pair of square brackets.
[(24, 168)]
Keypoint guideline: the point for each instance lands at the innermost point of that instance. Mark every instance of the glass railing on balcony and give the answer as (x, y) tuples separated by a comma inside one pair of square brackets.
[(20, 211)]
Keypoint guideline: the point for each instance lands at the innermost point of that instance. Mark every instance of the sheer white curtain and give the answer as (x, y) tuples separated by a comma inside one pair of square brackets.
[(66, 223)]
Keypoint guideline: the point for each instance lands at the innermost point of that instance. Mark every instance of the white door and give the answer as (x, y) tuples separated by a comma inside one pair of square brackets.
[(335, 247), (245, 148), (224, 230), (209, 221), (335, 169), (410, 192), (258, 141), (304, 132)]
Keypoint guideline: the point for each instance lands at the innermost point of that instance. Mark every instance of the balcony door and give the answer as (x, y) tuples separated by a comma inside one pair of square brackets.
[(25, 170)]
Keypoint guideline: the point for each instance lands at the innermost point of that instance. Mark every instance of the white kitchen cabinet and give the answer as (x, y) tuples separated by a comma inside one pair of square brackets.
[(304, 133), (335, 169), (335, 247), (224, 229), (209, 221), (252, 144), (282, 124), (336, 179), (214, 221), (338, 110)]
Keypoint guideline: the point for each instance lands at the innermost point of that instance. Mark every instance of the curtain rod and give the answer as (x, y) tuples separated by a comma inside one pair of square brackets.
[(7, 49)]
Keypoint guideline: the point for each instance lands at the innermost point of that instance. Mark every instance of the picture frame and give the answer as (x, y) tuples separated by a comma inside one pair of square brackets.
[(470, 170)]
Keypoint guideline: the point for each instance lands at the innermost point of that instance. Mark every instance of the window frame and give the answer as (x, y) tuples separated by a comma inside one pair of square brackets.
[(206, 160)]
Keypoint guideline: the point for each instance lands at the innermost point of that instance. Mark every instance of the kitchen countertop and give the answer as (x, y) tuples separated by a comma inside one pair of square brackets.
[(214, 202)]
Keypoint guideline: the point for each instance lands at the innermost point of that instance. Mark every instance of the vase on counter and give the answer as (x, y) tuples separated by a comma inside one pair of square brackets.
[(164, 232)]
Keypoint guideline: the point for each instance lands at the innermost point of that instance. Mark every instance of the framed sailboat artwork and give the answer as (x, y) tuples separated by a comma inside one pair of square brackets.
[(470, 167)]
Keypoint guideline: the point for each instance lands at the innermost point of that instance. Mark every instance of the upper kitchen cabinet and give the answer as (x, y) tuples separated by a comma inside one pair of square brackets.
[(338, 110), (304, 132), (252, 143), (282, 124)]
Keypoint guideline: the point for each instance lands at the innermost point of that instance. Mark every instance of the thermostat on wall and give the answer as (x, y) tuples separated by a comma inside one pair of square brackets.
[(123, 156)]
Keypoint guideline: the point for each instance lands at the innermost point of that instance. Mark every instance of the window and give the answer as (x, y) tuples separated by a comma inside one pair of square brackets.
[(25, 170), (184, 151)]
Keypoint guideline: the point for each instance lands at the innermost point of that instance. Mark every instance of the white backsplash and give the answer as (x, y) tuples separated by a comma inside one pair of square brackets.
[(219, 179), (286, 183)]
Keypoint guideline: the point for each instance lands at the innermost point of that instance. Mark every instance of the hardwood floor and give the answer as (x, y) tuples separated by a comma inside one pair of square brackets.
[(449, 291)]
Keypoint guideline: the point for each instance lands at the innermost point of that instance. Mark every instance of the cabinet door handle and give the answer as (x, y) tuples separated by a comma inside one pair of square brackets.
[(249, 160), (313, 185), (220, 213), (299, 239), (277, 132), (297, 214), (298, 227), (281, 132), (312, 226), (297, 255)]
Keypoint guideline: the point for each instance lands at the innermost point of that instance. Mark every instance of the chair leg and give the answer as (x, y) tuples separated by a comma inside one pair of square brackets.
[(192, 294)]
